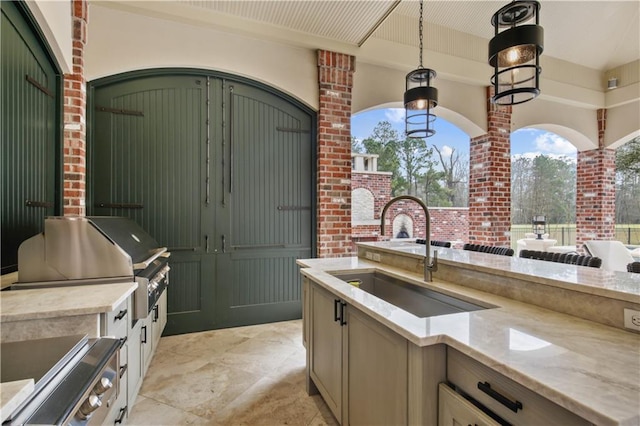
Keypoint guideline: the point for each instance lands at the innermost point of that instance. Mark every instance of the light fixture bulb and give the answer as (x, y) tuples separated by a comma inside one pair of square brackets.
[(420, 104)]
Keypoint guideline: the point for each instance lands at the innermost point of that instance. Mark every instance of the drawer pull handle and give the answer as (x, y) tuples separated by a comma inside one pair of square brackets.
[(123, 412), (123, 369), (336, 317), (513, 406), (120, 315)]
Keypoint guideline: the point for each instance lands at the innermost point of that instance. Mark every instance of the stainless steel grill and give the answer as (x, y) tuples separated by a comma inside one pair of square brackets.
[(76, 379), (95, 250)]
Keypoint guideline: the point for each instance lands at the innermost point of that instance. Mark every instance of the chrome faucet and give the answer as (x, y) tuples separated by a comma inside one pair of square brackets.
[(429, 265)]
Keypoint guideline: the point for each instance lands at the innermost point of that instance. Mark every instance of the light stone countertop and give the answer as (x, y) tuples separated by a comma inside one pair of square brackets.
[(591, 369), (21, 305), (12, 394), (612, 284)]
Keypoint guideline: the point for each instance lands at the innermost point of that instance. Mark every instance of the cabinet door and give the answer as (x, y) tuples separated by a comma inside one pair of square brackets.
[(158, 320), (326, 349), (454, 410), (305, 312), (375, 371), (134, 370), (146, 337)]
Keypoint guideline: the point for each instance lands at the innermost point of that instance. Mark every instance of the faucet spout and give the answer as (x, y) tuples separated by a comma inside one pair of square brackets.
[(430, 266)]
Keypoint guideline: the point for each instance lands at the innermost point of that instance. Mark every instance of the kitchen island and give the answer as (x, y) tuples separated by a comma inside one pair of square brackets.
[(539, 329)]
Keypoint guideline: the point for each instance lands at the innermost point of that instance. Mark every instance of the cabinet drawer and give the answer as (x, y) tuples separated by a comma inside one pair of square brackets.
[(116, 322), (467, 373), (453, 410)]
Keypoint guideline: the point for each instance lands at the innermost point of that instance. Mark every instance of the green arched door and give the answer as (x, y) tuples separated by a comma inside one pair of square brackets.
[(218, 170)]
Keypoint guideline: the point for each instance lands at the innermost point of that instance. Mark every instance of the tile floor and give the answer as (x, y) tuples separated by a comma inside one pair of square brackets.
[(239, 376)]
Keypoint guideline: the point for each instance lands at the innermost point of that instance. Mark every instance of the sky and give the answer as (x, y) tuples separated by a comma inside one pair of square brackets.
[(524, 142)]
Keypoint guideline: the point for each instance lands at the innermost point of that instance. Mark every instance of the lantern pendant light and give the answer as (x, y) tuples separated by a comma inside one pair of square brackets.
[(514, 52), (420, 98)]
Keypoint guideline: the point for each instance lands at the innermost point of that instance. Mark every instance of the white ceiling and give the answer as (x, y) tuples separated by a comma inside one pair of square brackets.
[(596, 34)]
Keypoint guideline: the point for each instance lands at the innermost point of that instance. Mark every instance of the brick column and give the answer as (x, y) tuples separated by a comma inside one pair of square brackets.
[(75, 96), (596, 190), (490, 179), (335, 80)]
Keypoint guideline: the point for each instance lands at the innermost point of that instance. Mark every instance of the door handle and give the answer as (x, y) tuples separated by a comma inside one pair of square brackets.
[(342, 320), (336, 302), (224, 244)]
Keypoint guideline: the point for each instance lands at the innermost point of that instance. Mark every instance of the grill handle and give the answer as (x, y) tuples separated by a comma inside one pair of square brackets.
[(146, 263)]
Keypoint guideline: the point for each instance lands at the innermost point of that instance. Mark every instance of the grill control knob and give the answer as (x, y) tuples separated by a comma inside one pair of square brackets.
[(90, 405), (102, 386)]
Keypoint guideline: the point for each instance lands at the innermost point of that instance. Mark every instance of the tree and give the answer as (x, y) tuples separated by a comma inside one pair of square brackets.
[(413, 156), (454, 176), (543, 186), (383, 142), (628, 182)]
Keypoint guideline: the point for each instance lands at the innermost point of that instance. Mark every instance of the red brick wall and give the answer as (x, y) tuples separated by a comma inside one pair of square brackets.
[(380, 186), (596, 190), (411, 209), (490, 179), (75, 96), (450, 224), (335, 80)]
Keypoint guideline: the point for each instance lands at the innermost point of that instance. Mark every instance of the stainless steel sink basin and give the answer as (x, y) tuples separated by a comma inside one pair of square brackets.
[(417, 300)]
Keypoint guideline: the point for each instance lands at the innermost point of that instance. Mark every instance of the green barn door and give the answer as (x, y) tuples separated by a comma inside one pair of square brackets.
[(150, 164), (30, 123), (265, 223)]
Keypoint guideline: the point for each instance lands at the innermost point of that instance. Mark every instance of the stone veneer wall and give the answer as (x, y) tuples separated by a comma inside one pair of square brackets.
[(490, 179), (75, 97), (596, 190), (335, 81)]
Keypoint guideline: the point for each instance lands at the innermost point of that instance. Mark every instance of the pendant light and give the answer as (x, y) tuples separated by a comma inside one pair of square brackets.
[(420, 98), (514, 53)]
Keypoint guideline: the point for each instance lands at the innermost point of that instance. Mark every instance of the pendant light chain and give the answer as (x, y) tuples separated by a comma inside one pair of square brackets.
[(420, 32)]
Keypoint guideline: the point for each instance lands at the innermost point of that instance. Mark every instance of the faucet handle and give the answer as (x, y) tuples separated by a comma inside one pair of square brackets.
[(434, 262)]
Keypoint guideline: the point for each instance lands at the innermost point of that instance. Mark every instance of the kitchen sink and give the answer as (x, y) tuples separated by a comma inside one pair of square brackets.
[(412, 298)]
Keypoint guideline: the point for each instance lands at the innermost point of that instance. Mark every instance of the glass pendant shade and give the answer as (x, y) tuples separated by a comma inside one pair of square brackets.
[(514, 53), (419, 99)]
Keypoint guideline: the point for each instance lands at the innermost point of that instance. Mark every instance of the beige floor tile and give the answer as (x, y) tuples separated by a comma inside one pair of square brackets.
[(252, 375), (150, 412)]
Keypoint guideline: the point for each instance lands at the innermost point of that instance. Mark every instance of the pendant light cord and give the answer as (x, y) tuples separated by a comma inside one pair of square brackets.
[(420, 33)]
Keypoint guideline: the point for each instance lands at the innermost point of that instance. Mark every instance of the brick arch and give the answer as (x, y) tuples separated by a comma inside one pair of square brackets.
[(410, 209), (403, 220)]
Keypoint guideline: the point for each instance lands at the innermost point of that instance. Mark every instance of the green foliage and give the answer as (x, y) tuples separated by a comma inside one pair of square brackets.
[(543, 186), (628, 157), (628, 182)]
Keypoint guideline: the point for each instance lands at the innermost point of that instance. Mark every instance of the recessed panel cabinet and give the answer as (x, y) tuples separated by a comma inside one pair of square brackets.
[(454, 410), (360, 385)]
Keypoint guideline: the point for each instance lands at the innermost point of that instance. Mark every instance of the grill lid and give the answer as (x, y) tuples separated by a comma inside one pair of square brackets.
[(75, 248)]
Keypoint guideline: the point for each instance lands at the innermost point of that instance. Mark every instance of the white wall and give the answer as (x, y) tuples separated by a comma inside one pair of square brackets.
[(54, 19), (120, 41)]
